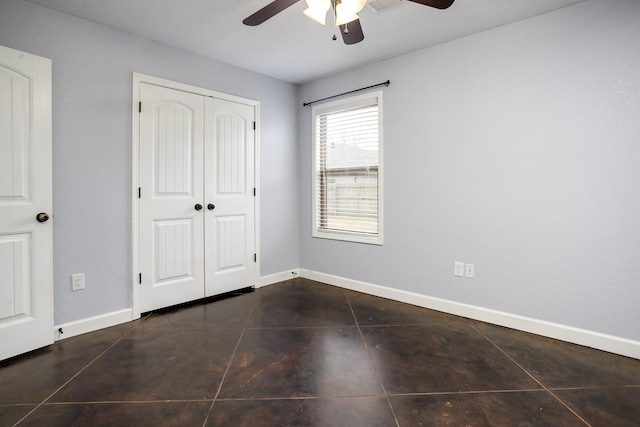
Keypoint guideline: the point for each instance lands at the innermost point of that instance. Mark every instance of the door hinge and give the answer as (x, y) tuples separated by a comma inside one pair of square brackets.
[(139, 192), (140, 278), (255, 257), (254, 191), (254, 125), (140, 107)]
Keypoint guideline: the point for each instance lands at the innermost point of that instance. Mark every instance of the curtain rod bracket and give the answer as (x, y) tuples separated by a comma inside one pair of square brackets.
[(387, 83)]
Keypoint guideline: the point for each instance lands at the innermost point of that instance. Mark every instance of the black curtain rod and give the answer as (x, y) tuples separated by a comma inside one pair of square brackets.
[(387, 83)]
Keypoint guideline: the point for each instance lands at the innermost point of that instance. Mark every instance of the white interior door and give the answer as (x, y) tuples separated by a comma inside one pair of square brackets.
[(230, 181), (171, 189), (26, 269)]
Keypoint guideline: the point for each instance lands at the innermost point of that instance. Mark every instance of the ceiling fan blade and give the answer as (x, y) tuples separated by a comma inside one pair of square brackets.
[(352, 32), (438, 4), (269, 11)]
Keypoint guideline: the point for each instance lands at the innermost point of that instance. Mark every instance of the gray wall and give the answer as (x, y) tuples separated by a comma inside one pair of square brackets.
[(92, 75), (517, 150)]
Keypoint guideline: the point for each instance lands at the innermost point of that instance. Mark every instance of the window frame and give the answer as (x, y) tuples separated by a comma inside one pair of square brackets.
[(356, 101)]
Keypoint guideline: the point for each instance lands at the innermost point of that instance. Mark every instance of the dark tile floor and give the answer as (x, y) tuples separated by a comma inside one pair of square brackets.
[(301, 353)]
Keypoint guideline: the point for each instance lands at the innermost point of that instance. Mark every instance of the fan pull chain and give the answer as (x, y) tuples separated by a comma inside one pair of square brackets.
[(335, 17)]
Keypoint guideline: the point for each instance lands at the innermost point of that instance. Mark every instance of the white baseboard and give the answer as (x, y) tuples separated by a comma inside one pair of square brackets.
[(91, 324), (570, 334), (278, 277), (107, 320)]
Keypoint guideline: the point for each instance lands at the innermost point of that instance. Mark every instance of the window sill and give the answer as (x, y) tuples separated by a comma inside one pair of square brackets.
[(349, 237)]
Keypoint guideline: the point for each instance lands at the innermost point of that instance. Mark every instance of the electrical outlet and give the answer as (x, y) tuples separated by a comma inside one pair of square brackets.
[(77, 281), (469, 271), (458, 269)]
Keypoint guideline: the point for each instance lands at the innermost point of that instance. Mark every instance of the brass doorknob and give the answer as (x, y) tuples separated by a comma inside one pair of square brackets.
[(42, 217)]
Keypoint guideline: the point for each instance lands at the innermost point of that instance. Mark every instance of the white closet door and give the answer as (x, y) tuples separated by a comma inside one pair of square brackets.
[(229, 186), (171, 214), (26, 269)]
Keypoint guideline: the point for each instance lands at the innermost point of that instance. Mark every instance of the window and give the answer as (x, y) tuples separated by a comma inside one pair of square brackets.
[(347, 181)]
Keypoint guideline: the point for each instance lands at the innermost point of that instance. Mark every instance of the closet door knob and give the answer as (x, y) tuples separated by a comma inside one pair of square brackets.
[(198, 206), (211, 206)]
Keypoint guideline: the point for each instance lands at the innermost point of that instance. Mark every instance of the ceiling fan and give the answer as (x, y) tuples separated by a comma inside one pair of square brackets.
[(344, 13)]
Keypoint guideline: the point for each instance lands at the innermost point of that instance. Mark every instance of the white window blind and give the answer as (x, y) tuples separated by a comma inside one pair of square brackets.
[(347, 191)]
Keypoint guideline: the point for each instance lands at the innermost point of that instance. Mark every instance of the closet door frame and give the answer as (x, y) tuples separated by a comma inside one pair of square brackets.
[(139, 79)]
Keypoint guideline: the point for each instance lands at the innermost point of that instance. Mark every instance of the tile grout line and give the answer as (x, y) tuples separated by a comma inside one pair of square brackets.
[(127, 402), (233, 355), (595, 387), (384, 390), (547, 389), (337, 396), (245, 399), (470, 392), (276, 398), (258, 328), (75, 375)]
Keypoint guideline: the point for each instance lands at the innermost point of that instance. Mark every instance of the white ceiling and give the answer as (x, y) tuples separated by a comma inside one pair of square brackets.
[(290, 46)]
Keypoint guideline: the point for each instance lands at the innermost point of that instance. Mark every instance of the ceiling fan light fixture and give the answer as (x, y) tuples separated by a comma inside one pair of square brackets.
[(347, 10), (317, 10)]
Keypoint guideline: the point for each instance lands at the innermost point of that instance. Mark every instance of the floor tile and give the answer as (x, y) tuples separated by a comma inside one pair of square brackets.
[(165, 414), (561, 364), (301, 303), (374, 311), (428, 358), (32, 377), (154, 364), (300, 362), (352, 412), (605, 406), (231, 312), (485, 409), (11, 414)]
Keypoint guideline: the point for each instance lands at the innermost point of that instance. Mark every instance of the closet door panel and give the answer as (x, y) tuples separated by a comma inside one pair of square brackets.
[(171, 176), (229, 185)]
